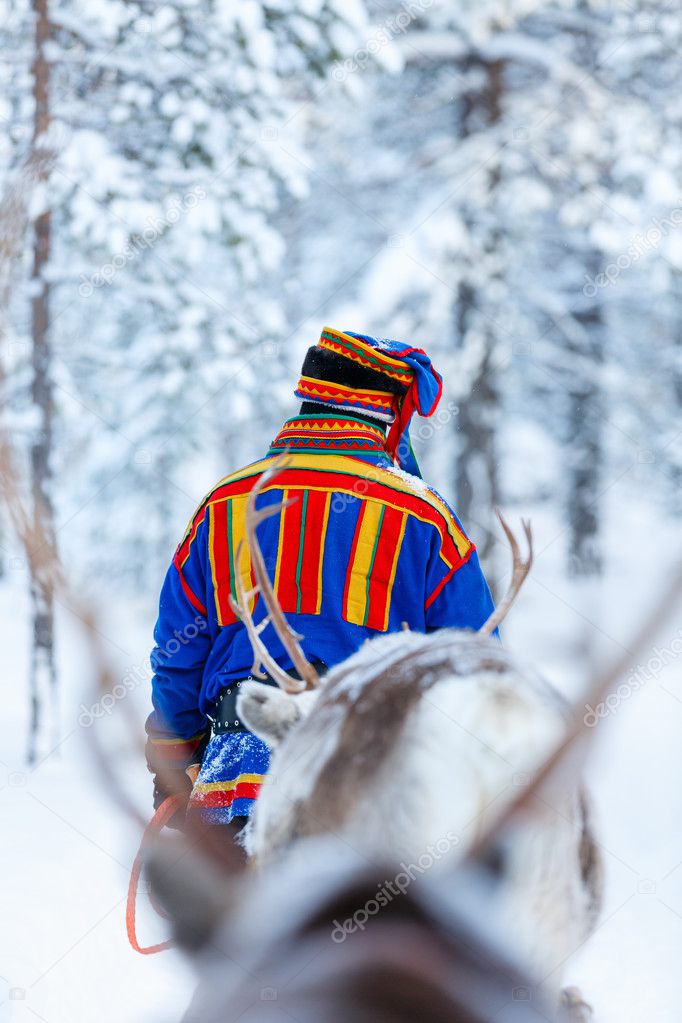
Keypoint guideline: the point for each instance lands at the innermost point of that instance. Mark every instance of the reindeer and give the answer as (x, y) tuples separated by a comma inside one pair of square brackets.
[(266, 944), (262, 941), (417, 740)]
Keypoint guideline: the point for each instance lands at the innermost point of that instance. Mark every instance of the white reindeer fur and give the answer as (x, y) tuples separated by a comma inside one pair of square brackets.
[(474, 735)]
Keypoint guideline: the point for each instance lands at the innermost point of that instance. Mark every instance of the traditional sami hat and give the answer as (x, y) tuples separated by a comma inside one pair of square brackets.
[(389, 380)]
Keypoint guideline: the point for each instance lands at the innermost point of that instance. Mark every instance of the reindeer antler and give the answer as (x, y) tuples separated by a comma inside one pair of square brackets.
[(241, 606), (521, 569)]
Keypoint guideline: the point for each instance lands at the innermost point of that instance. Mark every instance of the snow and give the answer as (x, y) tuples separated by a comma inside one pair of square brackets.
[(64, 871), (414, 482)]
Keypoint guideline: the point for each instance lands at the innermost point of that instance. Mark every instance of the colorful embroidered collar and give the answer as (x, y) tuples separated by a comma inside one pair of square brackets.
[(327, 434)]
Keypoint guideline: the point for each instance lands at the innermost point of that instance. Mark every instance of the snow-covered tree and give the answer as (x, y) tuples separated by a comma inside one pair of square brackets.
[(172, 181), (152, 233), (533, 158)]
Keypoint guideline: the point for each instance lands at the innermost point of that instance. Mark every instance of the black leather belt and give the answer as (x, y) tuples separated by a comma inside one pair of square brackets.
[(225, 718)]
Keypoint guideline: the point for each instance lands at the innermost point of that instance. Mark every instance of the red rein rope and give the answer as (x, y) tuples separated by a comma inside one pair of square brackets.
[(156, 824)]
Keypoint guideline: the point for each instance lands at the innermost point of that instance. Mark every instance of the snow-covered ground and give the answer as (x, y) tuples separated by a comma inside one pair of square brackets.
[(66, 849), (66, 856)]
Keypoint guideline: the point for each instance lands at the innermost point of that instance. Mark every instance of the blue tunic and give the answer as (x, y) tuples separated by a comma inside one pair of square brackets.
[(359, 549)]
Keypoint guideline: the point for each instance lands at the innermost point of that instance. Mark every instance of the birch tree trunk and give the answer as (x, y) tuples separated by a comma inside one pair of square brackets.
[(585, 440), (586, 398), (476, 475), (42, 677)]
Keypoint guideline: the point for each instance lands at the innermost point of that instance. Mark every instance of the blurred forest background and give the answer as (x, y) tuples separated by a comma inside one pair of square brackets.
[(188, 192), (199, 186)]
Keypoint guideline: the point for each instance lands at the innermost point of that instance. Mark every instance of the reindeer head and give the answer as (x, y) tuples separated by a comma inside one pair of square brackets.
[(271, 713)]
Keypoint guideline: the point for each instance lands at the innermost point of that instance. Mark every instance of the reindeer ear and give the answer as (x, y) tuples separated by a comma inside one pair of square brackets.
[(271, 713)]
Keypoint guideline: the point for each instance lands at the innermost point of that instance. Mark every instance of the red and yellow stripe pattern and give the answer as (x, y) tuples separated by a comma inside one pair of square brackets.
[(325, 434), (177, 751), (388, 502), (359, 351), (363, 399), (213, 795), (182, 555), (377, 542), (227, 531), (300, 550)]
